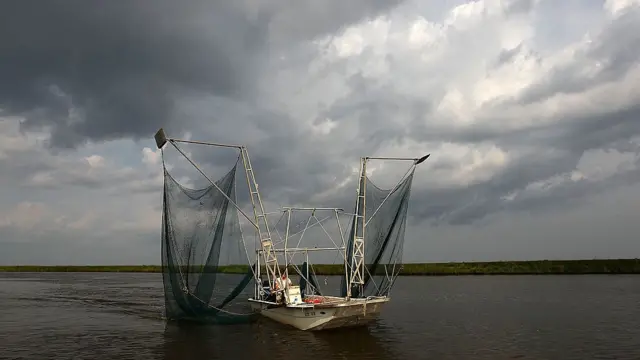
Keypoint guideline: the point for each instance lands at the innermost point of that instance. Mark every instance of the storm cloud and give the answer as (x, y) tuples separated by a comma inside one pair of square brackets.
[(106, 70), (521, 123)]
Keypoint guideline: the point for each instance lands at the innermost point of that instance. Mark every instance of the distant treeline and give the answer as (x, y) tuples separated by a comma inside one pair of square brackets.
[(539, 267)]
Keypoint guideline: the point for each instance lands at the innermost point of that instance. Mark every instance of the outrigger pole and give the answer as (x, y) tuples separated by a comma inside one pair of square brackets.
[(416, 161), (162, 139)]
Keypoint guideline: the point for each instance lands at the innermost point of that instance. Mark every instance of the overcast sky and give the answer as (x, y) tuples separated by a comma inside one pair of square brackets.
[(530, 109)]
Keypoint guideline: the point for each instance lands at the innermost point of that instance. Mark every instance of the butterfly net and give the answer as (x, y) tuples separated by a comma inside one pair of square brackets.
[(200, 233)]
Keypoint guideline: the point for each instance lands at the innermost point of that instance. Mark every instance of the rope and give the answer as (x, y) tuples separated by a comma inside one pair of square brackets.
[(244, 244), (216, 308)]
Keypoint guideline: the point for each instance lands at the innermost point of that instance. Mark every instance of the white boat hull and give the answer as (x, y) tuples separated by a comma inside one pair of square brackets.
[(335, 313)]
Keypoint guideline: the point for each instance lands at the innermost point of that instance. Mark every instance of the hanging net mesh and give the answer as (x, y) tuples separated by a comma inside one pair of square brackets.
[(386, 217), (200, 232)]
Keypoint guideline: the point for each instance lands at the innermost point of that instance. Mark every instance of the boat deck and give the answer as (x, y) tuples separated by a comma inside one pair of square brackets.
[(318, 302), (334, 301)]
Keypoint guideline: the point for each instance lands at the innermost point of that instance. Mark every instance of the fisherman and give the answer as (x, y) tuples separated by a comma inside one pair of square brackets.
[(281, 285), (286, 280)]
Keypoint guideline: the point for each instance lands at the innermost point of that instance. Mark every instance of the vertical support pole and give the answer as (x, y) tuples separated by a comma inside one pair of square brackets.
[(307, 275), (346, 262), (286, 241), (358, 270), (260, 218), (258, 281)]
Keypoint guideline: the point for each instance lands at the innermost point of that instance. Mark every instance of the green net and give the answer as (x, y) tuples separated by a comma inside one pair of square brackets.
[(200, 228), (386, 217)]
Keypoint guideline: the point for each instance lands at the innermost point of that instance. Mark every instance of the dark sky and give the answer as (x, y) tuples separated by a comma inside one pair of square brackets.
[(532, 119)]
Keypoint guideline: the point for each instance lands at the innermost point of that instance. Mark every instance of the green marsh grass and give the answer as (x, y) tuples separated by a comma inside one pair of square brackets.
[(536, 267)]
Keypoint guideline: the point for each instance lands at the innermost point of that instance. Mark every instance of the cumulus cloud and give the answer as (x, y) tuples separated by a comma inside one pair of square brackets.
[(499, 114), (519, 118)]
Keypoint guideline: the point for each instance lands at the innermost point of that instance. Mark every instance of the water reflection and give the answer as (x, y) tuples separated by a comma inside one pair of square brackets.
[(355, 343), (268, 339)]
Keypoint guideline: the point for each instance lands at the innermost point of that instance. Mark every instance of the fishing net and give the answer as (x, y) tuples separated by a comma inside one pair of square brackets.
[(200, 232), (386, 217)]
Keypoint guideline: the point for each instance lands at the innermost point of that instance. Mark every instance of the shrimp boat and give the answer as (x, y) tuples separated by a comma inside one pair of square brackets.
[(192, 247)]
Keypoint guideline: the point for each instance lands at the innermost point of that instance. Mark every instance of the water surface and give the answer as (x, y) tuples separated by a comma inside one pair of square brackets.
[(119, 316)]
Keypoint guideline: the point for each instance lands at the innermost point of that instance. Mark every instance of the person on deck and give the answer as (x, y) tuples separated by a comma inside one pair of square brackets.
[(282, 283), (286, 280)]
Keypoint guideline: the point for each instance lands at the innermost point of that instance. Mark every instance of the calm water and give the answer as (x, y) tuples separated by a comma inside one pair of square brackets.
[(118, 316)]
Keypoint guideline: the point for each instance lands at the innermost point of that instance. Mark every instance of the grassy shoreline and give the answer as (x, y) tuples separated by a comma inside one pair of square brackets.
[(536, 267)]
